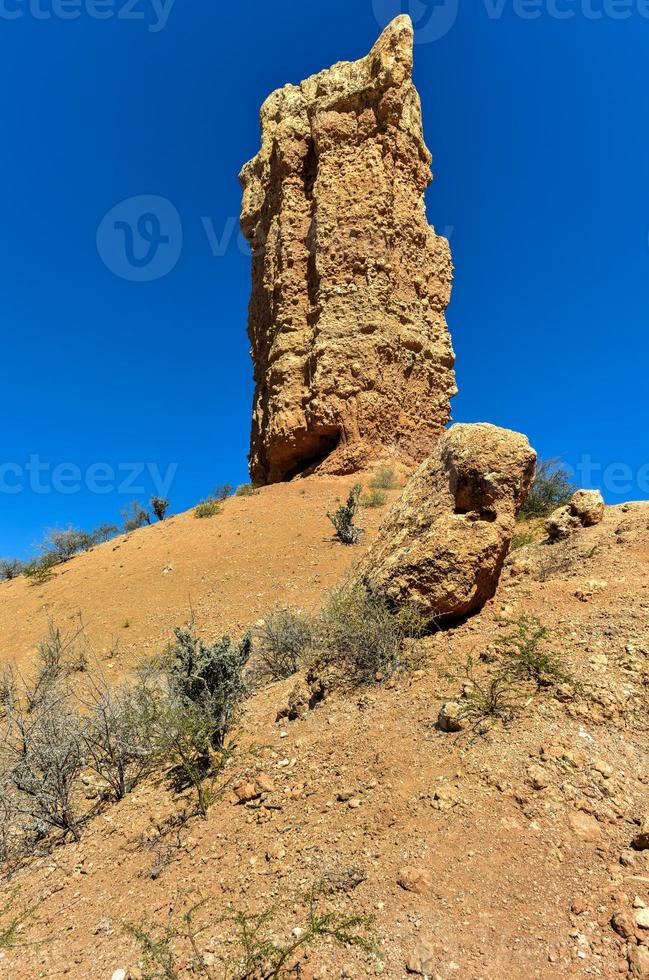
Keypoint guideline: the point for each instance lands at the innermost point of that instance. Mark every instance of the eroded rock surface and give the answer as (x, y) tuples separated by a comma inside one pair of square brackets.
[(444, 543), (586, 509), (351, 350)]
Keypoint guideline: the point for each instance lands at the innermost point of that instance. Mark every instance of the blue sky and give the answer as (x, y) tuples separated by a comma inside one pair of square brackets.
[(535, 111)]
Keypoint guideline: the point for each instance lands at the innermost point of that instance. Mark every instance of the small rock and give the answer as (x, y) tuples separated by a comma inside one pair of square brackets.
[(415, 880), (584, 826), (639, 962), (641, 917), (539, 778), (603, 768), (246, 791), (641, 841), (422, 960), (623, 925), (119, 975), (275, 852), (450, 717), (264, 784)]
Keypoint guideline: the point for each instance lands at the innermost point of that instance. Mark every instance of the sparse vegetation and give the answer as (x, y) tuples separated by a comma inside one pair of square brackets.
[(104, 533), (159, 506), (246, 490), (213, 504), (209, 676), (223, 492), (526, 658), (252, 950), (343, 518), (12, 920), (117, 733), (489, 699), (522, 539), (552, 488), (42, 756), (359, 634), (374, 498), (384, 478), (40, 570), (135, 516), (283, 642), (10, 568), (208, 508)]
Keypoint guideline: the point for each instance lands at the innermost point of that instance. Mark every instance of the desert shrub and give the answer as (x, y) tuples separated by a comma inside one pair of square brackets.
[(525, 657), (374, 498), (486, 699), (59, 655), (252, 948), (118, 733), (40, 570), (12, 920), (135, 516), (343, 518), (282, 642), (104, 533), (384, 478), (43, 759), (159, 506), (182, 735), (246, 490), (223, 492), (210, 676), (358, 632), (522, 538), (10, 568), (208, 508), (62, 545), (552, 488)]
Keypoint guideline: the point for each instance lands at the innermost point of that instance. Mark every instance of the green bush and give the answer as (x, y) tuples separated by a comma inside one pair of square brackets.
[(159, 506), (343, 518), (524, 656), (522, 539), (210, 676), (282, 642), (357, 632), (384, 478), (552, 488), (208, 508), (40, 570), (246, 490), (374, 498), (255, 951)]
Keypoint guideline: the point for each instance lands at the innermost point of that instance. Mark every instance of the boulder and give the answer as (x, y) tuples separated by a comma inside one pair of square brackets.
[(586, 509), (443, 544), (350, 284)]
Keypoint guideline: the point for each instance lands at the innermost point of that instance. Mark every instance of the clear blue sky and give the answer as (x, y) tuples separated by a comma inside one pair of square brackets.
[(538, 126)]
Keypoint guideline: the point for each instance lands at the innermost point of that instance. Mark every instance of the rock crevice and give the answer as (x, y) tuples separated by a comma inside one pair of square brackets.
[(352, 355)]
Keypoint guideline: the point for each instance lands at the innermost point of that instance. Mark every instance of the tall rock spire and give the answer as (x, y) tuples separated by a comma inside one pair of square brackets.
[(352, 355)]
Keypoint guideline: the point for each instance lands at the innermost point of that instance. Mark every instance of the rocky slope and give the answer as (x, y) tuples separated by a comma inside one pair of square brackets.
[(503, 851)]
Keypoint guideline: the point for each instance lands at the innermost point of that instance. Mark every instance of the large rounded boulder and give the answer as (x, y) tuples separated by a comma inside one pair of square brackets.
[(444, 543)]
